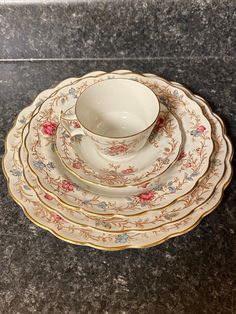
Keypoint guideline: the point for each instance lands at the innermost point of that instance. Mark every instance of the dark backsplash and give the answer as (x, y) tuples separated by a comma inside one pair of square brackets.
[(118, 29)]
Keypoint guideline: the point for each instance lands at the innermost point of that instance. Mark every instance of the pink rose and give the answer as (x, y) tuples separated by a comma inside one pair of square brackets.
[(146, 197), (119, 149), (76, 165), (201, 129), (76, 124), (48, 196), (67, 186), (49, 128), (58, 218), (128, 170), (188, 165)]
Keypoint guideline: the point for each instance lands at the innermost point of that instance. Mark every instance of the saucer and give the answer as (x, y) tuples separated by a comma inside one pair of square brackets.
[(174, 183), (80, 157), (72, 233)]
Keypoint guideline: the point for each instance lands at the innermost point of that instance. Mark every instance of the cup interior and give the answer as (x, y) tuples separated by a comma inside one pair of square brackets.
[(117, 108)]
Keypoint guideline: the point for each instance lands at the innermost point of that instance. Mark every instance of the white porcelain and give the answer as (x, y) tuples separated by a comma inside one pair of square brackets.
[(118, 116)]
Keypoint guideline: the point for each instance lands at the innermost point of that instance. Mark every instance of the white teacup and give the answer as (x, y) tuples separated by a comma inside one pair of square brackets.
[(118, 115)]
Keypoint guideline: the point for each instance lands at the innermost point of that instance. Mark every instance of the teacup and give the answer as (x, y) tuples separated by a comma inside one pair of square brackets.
[(118, 115)]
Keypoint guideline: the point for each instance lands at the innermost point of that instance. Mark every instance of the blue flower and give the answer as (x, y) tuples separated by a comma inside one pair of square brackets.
[(177, 95), (16, 173), (158, 187), (102, 205), (165, 101), (22, 120), (195, 133), (105, 224), (216, 162), (72, 92), (166, 161), (77, 138), (189, 178), (50, 165), (38, 164), (172, 189), (122, 238), (194, 174)]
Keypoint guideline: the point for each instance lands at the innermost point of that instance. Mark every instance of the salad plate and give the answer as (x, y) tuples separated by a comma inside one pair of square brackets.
[(81, 158), (174, 183)]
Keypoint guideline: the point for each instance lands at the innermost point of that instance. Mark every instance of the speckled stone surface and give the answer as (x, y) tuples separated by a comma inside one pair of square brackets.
[(119, 28), (190, 274)]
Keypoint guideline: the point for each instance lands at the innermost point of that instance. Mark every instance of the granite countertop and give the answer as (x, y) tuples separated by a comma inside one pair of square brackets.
[(191, 42)]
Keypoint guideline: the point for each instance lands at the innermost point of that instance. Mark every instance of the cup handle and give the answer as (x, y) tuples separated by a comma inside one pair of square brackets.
[(65, 120)]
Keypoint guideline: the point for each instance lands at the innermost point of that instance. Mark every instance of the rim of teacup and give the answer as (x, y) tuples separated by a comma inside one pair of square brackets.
[(127, 136)]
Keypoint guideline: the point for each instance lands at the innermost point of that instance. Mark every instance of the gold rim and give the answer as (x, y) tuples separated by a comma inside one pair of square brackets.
[(79, 208), (123, 247)]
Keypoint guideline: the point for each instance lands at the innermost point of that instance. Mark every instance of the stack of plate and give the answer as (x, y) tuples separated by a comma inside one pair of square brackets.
[(164, 191)]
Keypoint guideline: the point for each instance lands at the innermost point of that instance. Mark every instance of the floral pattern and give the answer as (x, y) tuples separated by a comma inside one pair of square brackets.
[(77, 165), (117, 149), (128, 170), (175, 182), (49, 128), (16, 172), (120, 148), (67, 186), (201, 129), (163, 151), (48, 196), (81, 235), (146, 197), (122, 238)]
